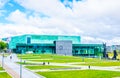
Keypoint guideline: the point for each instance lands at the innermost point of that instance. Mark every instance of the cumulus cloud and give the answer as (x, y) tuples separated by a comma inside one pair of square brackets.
[(2, 12), (97, 21), (2, 3), (48, 25), (88, 39), (96, 7), (17, 17)]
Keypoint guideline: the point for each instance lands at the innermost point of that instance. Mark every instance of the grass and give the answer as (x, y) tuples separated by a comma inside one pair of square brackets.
[(4, 75), (102, 64), (80, 74), (110, 55), (45, 67), (1, 68), (5, 54), (68, 60), (44, 56), (56, 58), (28, 63)]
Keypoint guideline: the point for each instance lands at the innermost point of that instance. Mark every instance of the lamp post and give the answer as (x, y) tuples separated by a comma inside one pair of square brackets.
[(3, 60), (89, 53), (21, 64)]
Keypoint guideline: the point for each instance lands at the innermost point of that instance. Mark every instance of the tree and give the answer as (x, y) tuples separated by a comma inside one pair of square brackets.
[(3, 45), (115, 55), (104, 51)]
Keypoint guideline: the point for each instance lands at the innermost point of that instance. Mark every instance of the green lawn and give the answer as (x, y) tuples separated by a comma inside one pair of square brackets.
[(45, 67), (56, 58), (44, 56), (80, 74), (1, 68), (102, 64), (5, 54), (4, 75), (68, 59), (28, 63)]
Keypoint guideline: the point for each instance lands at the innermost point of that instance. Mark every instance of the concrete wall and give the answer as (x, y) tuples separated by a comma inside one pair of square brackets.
[(63, 47)]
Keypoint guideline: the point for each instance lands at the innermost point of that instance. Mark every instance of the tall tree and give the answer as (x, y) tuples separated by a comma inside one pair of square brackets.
[(3, 45), (104, 51), (115, 55)]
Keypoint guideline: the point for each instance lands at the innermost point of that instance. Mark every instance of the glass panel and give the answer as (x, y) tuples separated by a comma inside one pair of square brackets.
[(28, 40)]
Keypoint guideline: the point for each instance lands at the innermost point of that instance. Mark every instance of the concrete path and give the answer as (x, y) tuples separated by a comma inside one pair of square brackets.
[(109, 68), (80, 67), (14, 69)]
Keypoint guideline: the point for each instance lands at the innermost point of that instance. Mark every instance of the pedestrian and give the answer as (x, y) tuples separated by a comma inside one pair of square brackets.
[(10, 57), (24, 61), (89, 66), (43, 63), (48, 63)]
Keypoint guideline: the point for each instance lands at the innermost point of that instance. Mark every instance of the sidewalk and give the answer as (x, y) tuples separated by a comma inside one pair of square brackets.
[(14, 69), (82, 67)]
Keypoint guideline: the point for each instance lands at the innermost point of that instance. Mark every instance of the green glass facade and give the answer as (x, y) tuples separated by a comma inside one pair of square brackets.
[(46, 44), (88, 49)]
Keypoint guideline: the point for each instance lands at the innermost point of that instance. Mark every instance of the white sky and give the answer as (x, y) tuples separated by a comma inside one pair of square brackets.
[(96, 21)]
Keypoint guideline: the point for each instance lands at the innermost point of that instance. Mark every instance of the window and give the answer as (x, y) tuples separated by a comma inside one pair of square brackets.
[(28, 40)]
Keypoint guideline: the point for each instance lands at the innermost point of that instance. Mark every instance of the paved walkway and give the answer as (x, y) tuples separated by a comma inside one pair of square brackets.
[(81, 67), (14, 69), (2, 71), (109, 68)]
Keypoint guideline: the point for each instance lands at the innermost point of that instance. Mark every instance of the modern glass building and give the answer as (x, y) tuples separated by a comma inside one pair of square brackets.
[(53, 44)]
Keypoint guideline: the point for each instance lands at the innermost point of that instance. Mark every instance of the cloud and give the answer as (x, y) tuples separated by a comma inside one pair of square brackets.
[(53, 8), (17, 17), (96, 21), (7, 30), (88, 39), (48, 25), (3, 2), (96, 8), (2, 12)]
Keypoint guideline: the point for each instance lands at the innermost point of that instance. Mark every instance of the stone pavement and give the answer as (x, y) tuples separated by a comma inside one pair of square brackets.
[(14, 69)]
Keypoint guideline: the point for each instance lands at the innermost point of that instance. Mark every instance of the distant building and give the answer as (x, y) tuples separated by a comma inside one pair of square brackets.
[(116, 47), (113, 47), (109, 48), (53, 44)]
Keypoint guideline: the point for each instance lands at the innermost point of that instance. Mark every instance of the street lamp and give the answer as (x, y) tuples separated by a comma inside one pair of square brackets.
[(3, 60), (21, 64)]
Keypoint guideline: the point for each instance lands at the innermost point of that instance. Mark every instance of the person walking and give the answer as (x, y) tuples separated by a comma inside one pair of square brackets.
[(10, 57), (89, 66), (48, 63)]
